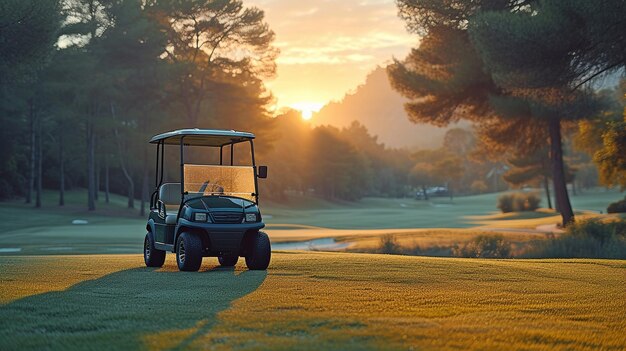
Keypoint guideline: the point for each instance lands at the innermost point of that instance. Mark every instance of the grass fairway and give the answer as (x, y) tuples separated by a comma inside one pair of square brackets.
[(25, 230), (309, 300)]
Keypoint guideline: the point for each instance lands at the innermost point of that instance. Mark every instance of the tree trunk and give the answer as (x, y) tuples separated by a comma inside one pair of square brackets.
[(144, 193), (131, 193), (91, 183), (106, 179), (39, 170), (31, 173), (425, 193), (129, 178), (558, 172), (546, 186), (97, 176), (61, 173)]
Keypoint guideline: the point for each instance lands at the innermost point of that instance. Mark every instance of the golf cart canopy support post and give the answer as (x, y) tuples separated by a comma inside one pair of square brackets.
[(198, 137)]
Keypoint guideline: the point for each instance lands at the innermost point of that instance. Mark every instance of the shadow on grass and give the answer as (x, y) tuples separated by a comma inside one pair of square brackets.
[(123, 310)]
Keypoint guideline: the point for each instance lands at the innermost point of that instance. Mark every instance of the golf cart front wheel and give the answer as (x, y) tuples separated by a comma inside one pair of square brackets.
[(260, 252), (189, 252), (152, 256), (228, 260)]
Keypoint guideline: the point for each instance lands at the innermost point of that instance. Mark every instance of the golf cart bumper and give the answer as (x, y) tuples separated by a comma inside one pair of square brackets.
[(222, 238)]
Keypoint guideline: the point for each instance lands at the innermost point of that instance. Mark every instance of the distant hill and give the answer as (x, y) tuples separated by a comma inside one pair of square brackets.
[(379, 108)]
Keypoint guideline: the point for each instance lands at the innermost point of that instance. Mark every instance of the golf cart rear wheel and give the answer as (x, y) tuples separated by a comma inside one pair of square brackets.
[(152, 256), (228, 260), (260, 252), (189, 252)]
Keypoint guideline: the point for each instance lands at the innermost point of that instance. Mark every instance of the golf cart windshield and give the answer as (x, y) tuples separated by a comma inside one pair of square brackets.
[(206, 180)]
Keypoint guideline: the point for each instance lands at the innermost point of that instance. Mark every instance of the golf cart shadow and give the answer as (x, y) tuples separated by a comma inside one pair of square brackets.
[(129, 309)]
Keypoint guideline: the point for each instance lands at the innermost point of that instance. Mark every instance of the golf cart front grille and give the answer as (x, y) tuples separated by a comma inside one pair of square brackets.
[(227, 217)]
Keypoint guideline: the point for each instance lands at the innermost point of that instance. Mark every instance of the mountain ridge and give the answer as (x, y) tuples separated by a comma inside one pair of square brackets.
[(380, 109)]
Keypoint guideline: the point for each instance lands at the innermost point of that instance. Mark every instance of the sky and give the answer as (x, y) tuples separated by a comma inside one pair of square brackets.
[(328, 47)]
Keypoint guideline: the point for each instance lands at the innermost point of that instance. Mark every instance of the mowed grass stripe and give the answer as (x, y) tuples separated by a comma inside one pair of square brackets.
[(309, 300)]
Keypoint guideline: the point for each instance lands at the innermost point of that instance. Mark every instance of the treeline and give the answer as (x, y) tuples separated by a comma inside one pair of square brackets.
[(85, 83), (333, 163)]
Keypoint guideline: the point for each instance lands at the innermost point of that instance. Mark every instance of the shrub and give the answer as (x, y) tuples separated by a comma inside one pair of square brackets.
[(478, 187), (590, 238), (388, 245), (505, 203), (518, 202), (532, 202), (617, 207), (484, 246)]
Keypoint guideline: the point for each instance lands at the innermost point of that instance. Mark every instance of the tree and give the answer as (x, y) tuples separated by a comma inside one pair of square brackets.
[(604, 139), (335, 169), (210, 40), (448, 78), (421, 176), (529, 169), (130, 52), (450, 170), (547, 52), (436, 167), (28, 32)]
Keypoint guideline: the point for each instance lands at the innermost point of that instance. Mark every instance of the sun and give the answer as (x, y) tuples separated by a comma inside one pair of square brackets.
[(307, 108)]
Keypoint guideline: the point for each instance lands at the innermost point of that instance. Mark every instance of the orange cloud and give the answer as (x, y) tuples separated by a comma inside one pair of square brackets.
[(327, 47)]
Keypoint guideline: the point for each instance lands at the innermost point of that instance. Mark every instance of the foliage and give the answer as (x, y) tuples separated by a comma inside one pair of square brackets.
[(389, 245), (120, 74), (604, 138), (484, 246), (518, 202), (332, 163), (29, 31), (617, 206), (551, 44), (479, 187), (447, 79), (592, 238)]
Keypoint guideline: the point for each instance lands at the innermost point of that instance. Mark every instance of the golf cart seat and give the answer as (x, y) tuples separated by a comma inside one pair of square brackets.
[(169, 193)]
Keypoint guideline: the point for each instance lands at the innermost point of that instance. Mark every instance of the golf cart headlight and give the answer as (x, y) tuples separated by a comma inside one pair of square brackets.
[(250, 217), (199, 217)]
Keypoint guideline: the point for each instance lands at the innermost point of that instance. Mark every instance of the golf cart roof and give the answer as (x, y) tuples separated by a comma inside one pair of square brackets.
[(202, 137)]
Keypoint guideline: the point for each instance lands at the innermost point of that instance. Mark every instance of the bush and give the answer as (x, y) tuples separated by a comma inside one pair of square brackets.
[(388, 245), (617, 207), (478, 187), (484, 246), (590, 238), (505, 203), (518, 202)]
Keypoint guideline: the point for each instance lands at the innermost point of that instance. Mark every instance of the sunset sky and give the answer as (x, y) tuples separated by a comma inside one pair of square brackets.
[(328, 47)]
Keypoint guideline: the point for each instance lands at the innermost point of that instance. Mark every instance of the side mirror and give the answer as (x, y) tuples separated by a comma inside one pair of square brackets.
[(262, 172)]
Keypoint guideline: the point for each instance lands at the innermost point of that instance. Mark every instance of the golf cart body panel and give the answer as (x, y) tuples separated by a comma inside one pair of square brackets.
[(217, 203)]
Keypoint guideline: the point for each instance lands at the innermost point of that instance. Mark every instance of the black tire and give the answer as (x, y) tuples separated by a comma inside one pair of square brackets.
[(152, 256), (260, 252), (189, 252), (228, 260)]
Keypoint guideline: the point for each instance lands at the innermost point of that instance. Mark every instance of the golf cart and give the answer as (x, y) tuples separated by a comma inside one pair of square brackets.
[(213, 210)]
